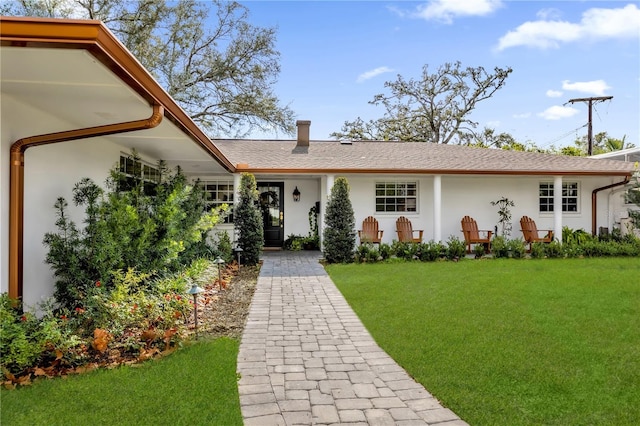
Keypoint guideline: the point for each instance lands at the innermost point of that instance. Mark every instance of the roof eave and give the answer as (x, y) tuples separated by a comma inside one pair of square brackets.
[(96, 38)]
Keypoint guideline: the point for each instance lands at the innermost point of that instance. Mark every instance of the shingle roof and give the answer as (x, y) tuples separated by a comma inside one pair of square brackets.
[(405, 157)]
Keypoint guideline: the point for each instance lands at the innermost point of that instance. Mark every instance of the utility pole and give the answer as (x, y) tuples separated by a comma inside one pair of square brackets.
[(591, 101)]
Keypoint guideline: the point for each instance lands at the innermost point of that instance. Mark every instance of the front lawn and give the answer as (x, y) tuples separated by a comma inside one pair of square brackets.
[(196, 385), (510, 342)]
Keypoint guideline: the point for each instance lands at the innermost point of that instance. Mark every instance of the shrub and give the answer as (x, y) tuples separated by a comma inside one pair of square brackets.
[(538, 251), (432, 251), (225, 250), (248, 221), (478, 250), (124, 229), (385, 251), (339, 234), (456, 248), (516, 248), (554, 250), (499, 247), (406, 250)]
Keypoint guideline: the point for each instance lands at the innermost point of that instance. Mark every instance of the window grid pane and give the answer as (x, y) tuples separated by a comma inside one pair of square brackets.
[(218, 193), (396, 196), (570, 194)]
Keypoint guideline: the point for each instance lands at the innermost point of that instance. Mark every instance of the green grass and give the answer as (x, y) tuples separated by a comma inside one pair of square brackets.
[(195, 385), (510, 342)]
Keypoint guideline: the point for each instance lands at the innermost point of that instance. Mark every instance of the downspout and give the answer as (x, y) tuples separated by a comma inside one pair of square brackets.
[(594, 201), (16, 182)]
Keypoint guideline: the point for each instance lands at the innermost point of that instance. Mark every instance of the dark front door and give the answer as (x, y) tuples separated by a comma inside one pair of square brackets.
[(272, 207)]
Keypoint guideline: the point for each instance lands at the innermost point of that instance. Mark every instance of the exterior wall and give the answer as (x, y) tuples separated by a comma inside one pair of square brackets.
[(50, 171), (472, 195)]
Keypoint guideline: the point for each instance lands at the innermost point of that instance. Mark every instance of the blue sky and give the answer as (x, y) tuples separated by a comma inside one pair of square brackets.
[(336, 55)]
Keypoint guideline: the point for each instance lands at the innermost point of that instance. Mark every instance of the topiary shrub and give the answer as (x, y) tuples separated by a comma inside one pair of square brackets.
[(248, 221), (339, 233), (225, 250)]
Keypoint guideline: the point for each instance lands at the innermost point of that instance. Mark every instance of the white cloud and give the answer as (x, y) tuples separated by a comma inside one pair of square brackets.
[(523, 115), (558, 112), (373, 73), (596, 23), (554, 93), (494, 124), (550, 13), (446, 10), (596, 87)]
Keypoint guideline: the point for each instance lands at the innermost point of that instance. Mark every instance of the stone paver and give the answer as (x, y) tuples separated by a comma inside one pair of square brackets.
[(306, 359)]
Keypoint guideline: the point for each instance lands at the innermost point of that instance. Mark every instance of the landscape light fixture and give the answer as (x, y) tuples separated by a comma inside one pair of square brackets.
[(195, 291), (219, 262), (238, 251)]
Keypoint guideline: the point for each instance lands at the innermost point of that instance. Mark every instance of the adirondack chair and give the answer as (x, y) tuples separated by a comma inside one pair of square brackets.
[(472, 234), (531, 233), (406, 232), (370, 232)]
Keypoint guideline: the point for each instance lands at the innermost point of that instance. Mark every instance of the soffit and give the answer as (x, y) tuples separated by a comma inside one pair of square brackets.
[(80, 91)]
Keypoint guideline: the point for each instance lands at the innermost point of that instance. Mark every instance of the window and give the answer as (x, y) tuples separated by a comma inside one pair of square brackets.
[(217, 193), (396, 196), (135, 171), (569, 197)]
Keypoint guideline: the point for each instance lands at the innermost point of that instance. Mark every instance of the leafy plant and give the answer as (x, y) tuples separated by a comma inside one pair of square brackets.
[(537, 250), (124, 228), (554, 249), (516, 248), (499, 247), (339, 234), (225, 249), (504, 213), (479, 251), (248, 220), (456, 248), (432, 251)]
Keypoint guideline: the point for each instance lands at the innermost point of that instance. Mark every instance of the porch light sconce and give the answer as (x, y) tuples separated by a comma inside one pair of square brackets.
[(195, 291), (296, 195)]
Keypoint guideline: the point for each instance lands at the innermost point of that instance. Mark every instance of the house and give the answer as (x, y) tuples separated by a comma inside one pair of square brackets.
[(74, 102), (619, 205)]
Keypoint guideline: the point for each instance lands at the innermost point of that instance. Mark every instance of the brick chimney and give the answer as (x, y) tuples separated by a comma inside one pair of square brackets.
[(303, 133)]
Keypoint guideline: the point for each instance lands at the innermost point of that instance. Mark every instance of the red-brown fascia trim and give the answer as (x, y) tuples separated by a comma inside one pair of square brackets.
[(241, 168), (95, 37)]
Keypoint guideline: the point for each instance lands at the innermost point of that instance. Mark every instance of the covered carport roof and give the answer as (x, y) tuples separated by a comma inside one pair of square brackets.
[(79, 72)]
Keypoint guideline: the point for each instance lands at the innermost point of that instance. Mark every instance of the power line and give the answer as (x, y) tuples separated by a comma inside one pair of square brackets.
[(563, 136)]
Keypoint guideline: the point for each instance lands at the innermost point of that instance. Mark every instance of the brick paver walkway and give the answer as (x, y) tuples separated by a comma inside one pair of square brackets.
[(306, 359)]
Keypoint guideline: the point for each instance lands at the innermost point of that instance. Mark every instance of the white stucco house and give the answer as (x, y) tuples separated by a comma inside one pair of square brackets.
[(74, 102)]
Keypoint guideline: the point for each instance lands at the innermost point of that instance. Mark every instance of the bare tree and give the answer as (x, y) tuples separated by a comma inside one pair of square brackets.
[(434, 108)]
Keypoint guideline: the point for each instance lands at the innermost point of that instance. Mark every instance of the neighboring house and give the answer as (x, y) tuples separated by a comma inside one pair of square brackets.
[(619, 205), (74, 102)]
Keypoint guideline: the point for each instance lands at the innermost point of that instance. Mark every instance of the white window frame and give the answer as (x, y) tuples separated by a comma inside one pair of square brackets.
[(387, 190), (570, 192), (216, 196), (149, 173)]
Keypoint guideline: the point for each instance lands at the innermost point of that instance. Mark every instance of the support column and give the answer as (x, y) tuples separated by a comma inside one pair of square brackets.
[(437, 208), (236, 200), (557, 207), (326, 183)]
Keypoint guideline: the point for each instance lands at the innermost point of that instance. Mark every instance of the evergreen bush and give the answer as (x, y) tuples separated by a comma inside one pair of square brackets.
[(248, 221), (124, 228), (339, 233)]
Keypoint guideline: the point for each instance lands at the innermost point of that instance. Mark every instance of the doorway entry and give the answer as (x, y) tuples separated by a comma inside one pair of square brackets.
[(271, 203)]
